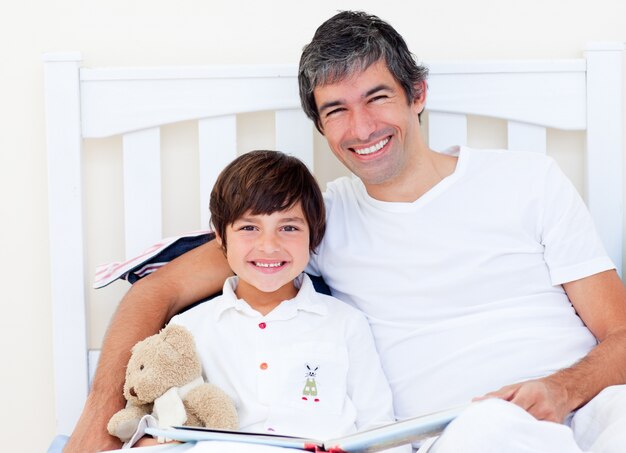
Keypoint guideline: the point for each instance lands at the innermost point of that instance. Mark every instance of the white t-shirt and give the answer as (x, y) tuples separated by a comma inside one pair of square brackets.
[(308, 368), (462, 287)]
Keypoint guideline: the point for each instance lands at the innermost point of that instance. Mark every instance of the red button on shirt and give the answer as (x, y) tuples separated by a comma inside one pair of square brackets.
[(263, 366), (262, 325)]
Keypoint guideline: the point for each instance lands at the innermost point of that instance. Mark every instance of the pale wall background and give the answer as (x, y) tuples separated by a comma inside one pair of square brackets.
[(150, 32)]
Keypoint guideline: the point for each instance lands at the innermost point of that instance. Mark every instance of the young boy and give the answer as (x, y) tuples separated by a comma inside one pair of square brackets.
[(295, 362)]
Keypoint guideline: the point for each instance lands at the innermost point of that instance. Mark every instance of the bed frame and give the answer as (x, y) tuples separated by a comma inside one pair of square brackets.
[(578, 94)]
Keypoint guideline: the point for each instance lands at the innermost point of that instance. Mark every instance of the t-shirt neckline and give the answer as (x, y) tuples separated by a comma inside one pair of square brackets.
[(435, 191)]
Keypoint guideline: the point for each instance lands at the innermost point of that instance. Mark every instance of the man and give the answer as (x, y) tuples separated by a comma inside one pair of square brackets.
[(479, 273)]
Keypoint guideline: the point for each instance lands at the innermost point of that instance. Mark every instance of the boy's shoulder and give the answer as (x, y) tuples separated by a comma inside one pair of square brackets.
[(202, 310)]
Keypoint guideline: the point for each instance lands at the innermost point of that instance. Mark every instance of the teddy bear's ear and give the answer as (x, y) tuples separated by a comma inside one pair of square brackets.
[(180, 338)]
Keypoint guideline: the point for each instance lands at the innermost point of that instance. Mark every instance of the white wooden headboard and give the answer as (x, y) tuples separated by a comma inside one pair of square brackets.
[(580, 94)]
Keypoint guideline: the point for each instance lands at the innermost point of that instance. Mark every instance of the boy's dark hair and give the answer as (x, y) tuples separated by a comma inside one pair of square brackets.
[(264, 182), (348, 43)]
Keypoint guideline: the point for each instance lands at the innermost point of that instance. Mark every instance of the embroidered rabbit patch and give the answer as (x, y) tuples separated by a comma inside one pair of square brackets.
[(310, 386)]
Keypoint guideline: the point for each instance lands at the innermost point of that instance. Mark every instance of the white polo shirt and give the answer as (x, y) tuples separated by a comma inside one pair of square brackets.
[(308, 368)]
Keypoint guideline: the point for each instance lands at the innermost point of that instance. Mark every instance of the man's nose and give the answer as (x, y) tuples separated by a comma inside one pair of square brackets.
[(362, 124)]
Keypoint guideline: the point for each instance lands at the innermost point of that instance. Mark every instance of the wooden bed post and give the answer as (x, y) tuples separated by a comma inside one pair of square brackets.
[(604, 134), (64, 143)]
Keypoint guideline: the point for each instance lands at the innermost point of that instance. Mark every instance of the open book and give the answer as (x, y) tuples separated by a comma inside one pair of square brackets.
[(375, 439)]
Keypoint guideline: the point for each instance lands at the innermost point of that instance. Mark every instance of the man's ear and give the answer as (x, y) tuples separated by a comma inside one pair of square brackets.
[(419, 98), (318, 126)]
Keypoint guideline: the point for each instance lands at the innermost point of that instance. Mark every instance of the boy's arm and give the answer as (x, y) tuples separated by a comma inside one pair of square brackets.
[(143, 311)]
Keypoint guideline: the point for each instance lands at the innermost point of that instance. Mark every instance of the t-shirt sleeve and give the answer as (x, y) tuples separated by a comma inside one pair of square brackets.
[(572, 247)]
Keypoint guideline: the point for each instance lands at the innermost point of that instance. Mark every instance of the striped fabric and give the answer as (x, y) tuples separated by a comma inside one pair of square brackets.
[(151, 259)]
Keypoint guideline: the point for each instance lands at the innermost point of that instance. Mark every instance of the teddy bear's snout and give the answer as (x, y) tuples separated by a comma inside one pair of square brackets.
[(132, 392)]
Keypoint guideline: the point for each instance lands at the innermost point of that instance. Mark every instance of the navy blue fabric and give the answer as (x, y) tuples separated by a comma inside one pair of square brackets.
[(319, 284), (166, 255)]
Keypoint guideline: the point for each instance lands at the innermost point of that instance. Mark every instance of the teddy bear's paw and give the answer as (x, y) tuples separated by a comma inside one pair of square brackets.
[(124, 423), (212, 406), (192, 419)]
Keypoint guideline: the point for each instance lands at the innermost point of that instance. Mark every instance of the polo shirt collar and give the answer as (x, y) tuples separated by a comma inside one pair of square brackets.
[(307, 300)]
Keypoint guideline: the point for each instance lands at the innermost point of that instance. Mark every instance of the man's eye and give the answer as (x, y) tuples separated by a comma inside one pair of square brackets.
[(378, 98), (334, 112)]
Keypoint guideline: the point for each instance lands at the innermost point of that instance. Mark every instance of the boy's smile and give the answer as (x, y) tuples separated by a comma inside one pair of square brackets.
[(267, 252)]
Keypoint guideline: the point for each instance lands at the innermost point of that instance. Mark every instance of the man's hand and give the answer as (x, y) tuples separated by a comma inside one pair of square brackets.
[(544, 398)]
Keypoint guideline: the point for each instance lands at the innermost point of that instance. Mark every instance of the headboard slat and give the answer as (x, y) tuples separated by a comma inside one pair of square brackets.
[(294, 134), (604, 137), (526, 137), (67, 256), (217, 145), (446, 129), (142, 190)]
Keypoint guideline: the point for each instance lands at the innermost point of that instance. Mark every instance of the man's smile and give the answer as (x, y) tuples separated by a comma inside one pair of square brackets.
[(371, 149)]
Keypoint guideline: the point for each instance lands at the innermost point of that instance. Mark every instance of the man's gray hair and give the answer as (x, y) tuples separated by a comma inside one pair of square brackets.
[(349, 43)]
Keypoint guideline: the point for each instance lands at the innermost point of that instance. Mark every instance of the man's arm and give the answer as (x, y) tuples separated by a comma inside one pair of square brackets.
[(600, 301), (143, 311)]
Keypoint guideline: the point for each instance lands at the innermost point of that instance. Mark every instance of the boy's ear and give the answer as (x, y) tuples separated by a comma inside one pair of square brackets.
[(220, 243)]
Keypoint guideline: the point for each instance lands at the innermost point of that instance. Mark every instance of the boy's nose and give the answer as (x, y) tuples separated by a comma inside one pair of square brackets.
[(268, 242)]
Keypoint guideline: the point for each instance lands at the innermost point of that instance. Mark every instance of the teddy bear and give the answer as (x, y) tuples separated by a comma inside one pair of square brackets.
[(164, 378)]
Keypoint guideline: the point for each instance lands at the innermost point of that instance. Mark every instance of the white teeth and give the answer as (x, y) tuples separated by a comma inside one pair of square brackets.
[(268, 264), (372, 149)]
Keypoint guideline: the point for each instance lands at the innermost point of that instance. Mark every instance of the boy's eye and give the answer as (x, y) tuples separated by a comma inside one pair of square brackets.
[(290, 228), (247, 228)]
